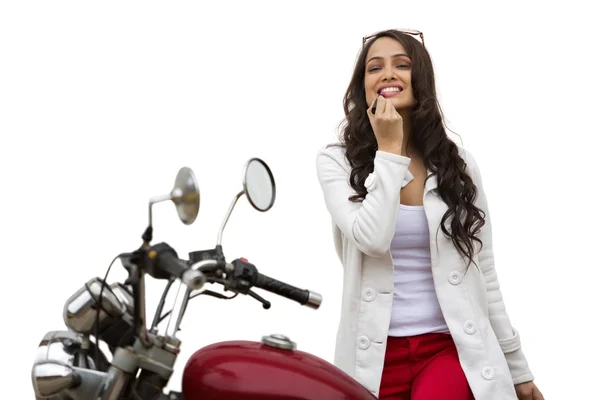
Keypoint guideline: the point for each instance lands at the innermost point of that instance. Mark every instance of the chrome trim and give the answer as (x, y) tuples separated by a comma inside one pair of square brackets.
[(193, 279), (61, 346), (91, 383), (179, 305), (142, 333), (279, 341), (114, 385), (181, 300), (125, 297), (153, 201), (231, 206), (186, 195), (204, 263), (51, 378), (314, 300), (79, 312)]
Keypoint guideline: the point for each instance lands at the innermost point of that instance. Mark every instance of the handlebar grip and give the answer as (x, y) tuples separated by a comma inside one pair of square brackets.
[(166, 261), (304, 297)]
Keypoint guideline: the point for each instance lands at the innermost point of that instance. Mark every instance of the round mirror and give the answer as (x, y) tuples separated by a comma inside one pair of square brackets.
[(186, 195), (259, 184)]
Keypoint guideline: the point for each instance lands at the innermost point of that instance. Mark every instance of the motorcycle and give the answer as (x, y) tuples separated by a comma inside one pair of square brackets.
[(69, 365)]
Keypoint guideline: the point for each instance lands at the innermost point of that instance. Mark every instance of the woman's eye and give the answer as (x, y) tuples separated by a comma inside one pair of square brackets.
[(377, 68)]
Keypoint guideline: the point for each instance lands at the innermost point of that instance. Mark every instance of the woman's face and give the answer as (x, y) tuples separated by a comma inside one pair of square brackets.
[(387, 72)]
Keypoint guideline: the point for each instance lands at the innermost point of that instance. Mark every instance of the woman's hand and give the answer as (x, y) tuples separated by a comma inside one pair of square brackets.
[(528, 391), (387, 126)]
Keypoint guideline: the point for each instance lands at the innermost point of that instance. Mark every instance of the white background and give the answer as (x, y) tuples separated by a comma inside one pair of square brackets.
[(102, 102)]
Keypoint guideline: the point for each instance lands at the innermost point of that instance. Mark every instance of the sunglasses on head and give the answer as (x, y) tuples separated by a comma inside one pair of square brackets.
[(413, 32)]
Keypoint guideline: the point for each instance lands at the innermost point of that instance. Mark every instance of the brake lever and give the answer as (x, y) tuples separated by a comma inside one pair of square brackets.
[(237, 279), (266, 304)]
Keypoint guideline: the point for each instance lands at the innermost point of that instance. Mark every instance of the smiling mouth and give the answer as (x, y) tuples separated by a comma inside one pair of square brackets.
[(390, 91)]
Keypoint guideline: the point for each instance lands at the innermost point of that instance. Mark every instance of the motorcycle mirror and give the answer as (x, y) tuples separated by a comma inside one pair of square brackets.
[(186, 197), (259, 185), (51, 378)]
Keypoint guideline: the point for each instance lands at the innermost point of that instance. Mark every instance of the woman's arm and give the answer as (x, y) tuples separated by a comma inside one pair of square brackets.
[(370, 224)]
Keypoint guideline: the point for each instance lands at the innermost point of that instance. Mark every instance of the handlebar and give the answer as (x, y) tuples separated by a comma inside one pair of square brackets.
[(165, 263), (247, 275), (304, 297)]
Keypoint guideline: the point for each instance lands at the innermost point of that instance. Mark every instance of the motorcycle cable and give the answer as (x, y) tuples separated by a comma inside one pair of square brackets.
[(206, 292), (208, 271), (161, 304), (158, 318), (99, 305)]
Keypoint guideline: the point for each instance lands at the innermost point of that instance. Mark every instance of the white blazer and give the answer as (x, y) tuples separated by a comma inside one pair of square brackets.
[(488, 346)]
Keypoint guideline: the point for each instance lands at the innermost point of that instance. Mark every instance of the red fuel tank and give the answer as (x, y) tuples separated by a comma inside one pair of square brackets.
[(272, 370)]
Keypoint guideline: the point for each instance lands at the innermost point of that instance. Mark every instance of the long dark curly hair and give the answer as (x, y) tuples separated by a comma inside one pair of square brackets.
[(440, 154)]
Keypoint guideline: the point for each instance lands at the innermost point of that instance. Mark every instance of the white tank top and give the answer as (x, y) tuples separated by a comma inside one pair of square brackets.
[(416, 309)]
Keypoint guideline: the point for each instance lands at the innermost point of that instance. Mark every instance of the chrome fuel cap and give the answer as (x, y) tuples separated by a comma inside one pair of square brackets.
[(279, 341)]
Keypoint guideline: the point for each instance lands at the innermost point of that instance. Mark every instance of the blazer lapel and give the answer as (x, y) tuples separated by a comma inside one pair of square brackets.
[(431, 182)]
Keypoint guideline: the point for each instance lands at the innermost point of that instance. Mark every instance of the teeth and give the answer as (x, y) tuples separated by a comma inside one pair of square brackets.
[(390, 89)]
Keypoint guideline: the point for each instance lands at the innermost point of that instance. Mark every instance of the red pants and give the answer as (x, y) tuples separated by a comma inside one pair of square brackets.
[(423, 367)]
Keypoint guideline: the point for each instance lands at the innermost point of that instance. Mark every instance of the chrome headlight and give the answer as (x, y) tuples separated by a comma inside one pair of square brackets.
[(59, 346), (53, 370), (64, 367), (50, 379), (80, 309)]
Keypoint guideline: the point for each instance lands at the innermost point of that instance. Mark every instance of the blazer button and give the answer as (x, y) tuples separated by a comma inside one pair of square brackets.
[(488, 373), (368, 294), (470, 327), (454, 277), (363, 342)]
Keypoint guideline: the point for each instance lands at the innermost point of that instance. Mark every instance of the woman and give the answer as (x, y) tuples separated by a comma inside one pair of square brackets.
[(422, 313)]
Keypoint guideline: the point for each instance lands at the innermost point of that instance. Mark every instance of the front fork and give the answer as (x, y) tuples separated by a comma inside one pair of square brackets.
[(123, 368)]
